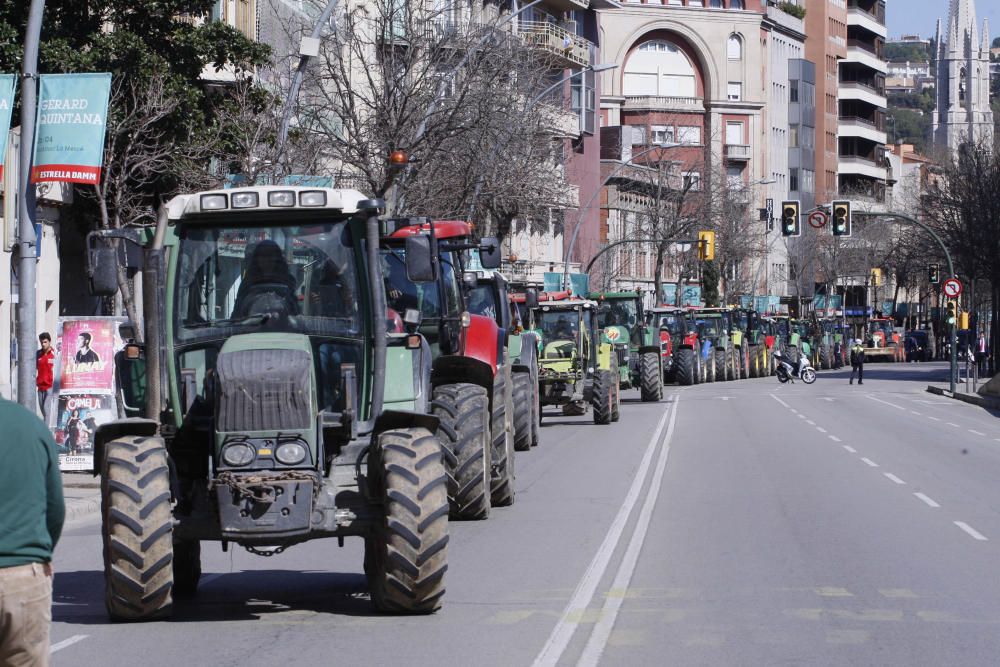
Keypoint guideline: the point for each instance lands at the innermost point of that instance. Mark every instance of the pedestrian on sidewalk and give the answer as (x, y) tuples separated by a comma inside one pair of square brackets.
[(31, 519), (857, 362), (45, 362)]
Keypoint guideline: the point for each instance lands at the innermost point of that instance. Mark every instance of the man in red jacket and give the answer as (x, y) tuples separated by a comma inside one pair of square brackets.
[(45, 361)]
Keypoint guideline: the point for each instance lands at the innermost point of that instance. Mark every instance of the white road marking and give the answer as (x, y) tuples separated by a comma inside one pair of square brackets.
[(810, 422), (801, 416), (834, 438), (934, 418), (67, 642), (781, 401), (827, 398), (971, 531), (875, 398), (725, 398), (564, 629), (894, 478), (821, 429), (926, 499), (971, 430), (869, 462), (601, 633), (850, 449), (955, 425), (914, 412)]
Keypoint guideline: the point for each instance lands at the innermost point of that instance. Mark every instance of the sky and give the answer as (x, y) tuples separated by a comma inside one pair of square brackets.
[(919, 17)]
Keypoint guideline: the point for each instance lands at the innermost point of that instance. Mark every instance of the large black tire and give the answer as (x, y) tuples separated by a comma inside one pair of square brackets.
[(684, 367), (825, 358), (616, 403), (462, 410), (753, 368), (650, 377), (524, 407), (732, 372), (501, 427), (408, 553), (720, 359), (602, 396), (137, 529)]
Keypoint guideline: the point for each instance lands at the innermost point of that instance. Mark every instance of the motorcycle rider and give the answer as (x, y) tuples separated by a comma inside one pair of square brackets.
[(857, 361)]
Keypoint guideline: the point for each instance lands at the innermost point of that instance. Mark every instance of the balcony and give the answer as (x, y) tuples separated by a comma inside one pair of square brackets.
[(665, 104), (862, 128), (865, 19), (864, 53), (858, 165), (560, 122), (737, 152), (571, 49), (855, 90)]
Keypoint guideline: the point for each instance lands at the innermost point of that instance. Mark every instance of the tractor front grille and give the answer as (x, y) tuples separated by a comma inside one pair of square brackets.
[(263, 390), (622, 353)]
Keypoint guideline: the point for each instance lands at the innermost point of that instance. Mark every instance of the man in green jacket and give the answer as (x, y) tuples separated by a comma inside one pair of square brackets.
[(31, 519)]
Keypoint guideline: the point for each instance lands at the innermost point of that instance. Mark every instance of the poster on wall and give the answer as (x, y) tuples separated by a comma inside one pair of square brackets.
[(87, 393), (77, 419)]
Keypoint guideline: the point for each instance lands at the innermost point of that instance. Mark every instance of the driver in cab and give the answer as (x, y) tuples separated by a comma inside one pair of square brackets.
[(268, 285)]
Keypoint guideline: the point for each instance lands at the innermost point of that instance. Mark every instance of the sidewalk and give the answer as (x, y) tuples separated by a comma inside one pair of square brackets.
[(82, 492), (982, 400)]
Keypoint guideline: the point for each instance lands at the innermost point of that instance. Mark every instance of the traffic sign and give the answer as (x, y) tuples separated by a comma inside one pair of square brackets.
[(952, 288), (817, 219)]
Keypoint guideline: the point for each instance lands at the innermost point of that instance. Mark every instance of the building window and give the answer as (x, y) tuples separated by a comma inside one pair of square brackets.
[(793, 136), (793, 90), (793, 180), (736, 4), (659, 68), (715, 3), (735, 48), (689, 134), (662, 134), (735, 90), (584, 100), (734, 133), (734, 176), (692, 180)]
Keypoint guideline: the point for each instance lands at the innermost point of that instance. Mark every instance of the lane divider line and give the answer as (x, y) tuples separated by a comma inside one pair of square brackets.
[(834, 438), (850, 449), (914, 412), (894, 478), (876, 398), (601, 634), (953, 424), (564, 629), (976, 535), (937, 419), (821, 429), (926, 499), (781, 401), (972, 430), (67, 642), (810, 422), (801, 416), (869, 462)]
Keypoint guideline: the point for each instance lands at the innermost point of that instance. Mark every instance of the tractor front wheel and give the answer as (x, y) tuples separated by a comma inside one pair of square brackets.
[(650, 380), (502, 473), (524, 403), (602, 396), (137, 529), (462, 410), (407, 555), (684, 367)]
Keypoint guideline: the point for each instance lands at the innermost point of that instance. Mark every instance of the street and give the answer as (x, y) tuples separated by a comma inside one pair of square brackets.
[(743, 523)]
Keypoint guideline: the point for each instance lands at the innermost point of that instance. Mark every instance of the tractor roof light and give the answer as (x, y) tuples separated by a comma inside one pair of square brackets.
[(245, 200), (281, 199), (312, 198), (214, 202)]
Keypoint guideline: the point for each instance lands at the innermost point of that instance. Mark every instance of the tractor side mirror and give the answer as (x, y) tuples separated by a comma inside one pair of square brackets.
[(489, 252), (531, 298), (421, 262), (103, 271)]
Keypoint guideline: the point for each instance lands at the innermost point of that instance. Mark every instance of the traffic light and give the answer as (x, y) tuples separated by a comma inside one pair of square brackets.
[(841, 218), (963, 320), (934, 274), (790, 218), (950, 316), (706, 246), (876, 277)]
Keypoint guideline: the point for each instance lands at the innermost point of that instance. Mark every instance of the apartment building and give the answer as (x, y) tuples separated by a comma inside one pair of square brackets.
[(693, 73), (826, 45), (862, 104)]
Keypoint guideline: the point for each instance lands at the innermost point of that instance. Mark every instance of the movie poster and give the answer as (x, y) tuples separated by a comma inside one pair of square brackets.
[(76, 423), (87, 356)]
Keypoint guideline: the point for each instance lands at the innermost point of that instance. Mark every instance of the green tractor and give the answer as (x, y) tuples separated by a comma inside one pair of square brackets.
[(576, 369), (753, 342), (822, 343), (716, 325), (278, 407), (637, 346)]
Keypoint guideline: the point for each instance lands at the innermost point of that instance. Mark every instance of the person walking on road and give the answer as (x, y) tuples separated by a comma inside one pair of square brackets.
[(31, 519), (857, 362), (45, 361)]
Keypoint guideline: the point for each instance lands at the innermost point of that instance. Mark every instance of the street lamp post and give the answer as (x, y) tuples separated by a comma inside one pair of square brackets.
[(593, 197)]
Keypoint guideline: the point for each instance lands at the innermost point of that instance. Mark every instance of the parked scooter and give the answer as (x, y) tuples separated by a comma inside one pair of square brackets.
[(787, 370)]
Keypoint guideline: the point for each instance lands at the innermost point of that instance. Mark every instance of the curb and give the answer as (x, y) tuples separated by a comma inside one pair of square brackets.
[(79, 508), (981, 401)]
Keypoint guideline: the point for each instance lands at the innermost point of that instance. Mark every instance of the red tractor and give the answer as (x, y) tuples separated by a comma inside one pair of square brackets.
[(469, 375)]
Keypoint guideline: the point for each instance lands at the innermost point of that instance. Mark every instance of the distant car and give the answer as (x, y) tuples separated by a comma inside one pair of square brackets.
[(918, 346)]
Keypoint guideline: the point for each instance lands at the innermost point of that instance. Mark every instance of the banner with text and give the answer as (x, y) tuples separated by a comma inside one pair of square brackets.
[(7, 82), (69, 134)]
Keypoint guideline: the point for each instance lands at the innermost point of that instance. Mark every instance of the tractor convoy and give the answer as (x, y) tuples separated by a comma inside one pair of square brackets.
[(309, 368)]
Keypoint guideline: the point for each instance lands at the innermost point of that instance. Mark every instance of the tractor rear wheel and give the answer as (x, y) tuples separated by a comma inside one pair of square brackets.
[(616, 403), (650, 377), (524, 403), (719, 366), (602, 396), (502, 472), (407, 555), (462, 410), (753, 370), (825, 360), (137, 529), (732, 371), (684, 367)]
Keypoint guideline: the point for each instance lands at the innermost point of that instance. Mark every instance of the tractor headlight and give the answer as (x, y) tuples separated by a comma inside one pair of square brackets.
[(290, 453), (245, 200), (281, 198), (238, 454), (213, 202), (312, 198)]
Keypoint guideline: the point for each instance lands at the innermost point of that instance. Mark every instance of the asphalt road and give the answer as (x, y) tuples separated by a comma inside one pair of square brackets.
[(746, 523)]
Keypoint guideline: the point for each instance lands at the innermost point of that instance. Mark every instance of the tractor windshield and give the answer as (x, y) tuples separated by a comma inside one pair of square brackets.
[(482, 301), (559, 325), (672, 322), (433, 299), (618, 312), (710, 327), (296, 279)]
